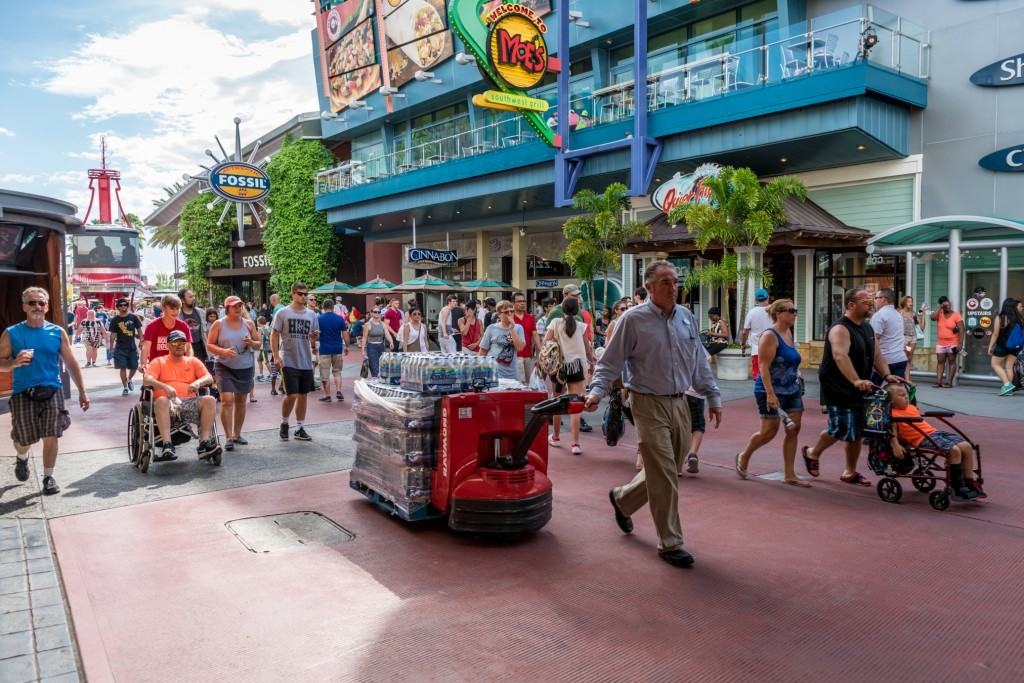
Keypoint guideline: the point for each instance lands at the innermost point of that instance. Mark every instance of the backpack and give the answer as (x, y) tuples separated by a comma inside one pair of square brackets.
[(550, 359), (1015, 339)]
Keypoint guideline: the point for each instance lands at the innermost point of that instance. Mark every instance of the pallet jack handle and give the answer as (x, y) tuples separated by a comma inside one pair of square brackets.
[(569, 404)]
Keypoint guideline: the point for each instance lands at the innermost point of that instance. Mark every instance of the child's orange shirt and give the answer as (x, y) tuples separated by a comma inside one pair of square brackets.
[(911, 433)]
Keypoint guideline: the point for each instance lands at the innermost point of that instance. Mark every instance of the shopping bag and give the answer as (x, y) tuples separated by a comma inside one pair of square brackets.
[(364, 369)]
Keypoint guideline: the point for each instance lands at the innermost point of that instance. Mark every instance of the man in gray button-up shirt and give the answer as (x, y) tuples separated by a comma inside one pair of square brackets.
[(657, 351)]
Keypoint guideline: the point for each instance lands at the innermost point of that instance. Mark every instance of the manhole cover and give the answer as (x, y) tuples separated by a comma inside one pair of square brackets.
[(288, 531)]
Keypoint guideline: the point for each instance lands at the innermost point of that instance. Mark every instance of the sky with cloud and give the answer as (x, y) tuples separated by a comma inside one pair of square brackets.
[(157, 79)]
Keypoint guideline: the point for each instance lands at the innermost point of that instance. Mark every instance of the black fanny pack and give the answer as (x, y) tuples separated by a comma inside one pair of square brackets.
[(41, 394)]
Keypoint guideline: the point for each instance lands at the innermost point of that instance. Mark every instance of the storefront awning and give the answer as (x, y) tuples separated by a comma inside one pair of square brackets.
[(936, 229), (807, 224)]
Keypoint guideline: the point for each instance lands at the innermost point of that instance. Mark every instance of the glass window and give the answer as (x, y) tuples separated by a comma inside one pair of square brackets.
[(622, 54), (674, 37), (757, 10), (718, 22)]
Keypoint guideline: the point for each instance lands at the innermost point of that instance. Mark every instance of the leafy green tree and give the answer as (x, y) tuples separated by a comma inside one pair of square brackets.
[(205, 244), (598, 236), (744, 212), (165, 281), (299, 242)]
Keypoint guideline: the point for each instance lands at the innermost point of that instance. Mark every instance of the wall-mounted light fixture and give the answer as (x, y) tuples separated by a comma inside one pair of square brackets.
[(576, 17), (427, 77), (332, 116), (385, 91), (463, 58)]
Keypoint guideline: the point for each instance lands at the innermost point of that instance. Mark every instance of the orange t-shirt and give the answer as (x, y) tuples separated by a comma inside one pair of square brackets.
[(179, 374), (946, 336), (911, 433)]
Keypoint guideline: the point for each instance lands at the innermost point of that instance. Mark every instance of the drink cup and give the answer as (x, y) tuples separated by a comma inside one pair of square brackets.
[(31, 354)]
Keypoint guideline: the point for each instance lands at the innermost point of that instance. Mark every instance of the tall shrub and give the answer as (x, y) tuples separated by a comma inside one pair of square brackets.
[(299, 242), (204, 244)]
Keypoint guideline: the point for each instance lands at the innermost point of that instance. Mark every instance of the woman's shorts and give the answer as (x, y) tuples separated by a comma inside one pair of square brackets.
[(232, 381), (34, 420), (1001, 351), (943, 349), (792, 403), (845, 424), (571, 372), (942, 440)]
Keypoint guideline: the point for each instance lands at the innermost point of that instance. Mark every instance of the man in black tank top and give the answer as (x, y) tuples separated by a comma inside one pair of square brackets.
[(850, 353)]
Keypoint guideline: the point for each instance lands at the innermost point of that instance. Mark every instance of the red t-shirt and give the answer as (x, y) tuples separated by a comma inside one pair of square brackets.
[(529, 327), (156, 334), (394, 318)]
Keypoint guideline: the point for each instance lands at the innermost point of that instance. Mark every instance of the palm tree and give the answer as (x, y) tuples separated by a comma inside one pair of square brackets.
[(744, 212), (598, 236)]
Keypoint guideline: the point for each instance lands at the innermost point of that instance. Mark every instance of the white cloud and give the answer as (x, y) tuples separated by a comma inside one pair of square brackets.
[(6, 132), (8, 178), (187, 78)]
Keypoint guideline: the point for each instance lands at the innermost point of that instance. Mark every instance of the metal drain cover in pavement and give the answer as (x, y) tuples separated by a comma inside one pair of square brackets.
[(288, 531)]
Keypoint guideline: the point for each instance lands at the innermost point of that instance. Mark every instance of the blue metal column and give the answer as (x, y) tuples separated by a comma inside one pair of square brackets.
[(643, 151)]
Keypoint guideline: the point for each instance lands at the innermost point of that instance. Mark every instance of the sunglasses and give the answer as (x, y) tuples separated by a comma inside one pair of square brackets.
[(794, 311), (122, 305), (177, 342), (301, 293), (37, 304), (375, 312)]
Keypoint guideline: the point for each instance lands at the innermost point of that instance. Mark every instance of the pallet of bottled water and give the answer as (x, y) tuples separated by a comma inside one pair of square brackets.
[(410, 446), (437, 374)]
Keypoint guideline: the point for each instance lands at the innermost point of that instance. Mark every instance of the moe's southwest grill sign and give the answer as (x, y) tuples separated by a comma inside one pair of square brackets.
[(237, 181), (507, 40), (516, 47), (685, 189)]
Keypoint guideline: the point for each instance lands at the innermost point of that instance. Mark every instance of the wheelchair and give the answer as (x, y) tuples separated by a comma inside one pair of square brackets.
[(920, 464), (143, 433)]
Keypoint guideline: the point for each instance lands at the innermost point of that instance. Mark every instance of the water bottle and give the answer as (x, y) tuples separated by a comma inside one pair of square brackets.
[(786, 419)]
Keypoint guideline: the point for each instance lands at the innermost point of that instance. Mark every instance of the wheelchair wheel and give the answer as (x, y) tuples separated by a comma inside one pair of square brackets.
[(136, 439), (889, 490), (144, 457), (217, 458), (939, 499), (924, 484)]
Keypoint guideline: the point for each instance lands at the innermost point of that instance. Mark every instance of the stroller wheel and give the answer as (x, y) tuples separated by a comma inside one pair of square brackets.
[(939, 499), (889, 490), (924, 484)]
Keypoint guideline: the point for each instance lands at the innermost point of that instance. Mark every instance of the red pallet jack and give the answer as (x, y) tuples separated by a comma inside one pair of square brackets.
[(491, 474)]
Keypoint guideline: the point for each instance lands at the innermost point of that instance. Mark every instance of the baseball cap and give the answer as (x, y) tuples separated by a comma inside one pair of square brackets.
[(570, 290), (761, 294), (231, 301), (176, 335)]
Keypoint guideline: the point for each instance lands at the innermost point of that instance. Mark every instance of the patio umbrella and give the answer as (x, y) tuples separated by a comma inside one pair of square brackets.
[(332, 287), (377, 284), (427, 283), (485, 285)]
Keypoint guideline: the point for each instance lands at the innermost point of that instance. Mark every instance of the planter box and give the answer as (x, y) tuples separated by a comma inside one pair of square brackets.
[(733, 365)]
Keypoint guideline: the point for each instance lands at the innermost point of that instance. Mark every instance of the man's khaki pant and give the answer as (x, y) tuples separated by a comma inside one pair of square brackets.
[(663, 429)]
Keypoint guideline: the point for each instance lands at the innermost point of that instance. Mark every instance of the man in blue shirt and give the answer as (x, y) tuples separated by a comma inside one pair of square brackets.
[(657, 351), (33, 350), (333, 344)]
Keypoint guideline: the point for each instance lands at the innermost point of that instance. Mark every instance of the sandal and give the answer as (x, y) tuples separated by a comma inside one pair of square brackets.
[(800, 483), (739, 470), (813, 465), (947, 385), (856, 478), (937, 386)]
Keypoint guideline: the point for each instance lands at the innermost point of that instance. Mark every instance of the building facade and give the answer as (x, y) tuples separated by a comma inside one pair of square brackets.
[(871, 105)]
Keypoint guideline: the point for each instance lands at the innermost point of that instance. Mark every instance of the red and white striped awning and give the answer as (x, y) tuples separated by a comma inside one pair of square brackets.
[(106, 276)]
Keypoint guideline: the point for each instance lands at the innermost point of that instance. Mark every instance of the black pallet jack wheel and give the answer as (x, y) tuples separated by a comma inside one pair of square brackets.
[(939, 499), (889, 490)]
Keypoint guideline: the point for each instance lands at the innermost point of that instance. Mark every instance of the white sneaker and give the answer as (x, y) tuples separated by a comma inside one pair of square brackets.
[(576, 450), (557, 443)]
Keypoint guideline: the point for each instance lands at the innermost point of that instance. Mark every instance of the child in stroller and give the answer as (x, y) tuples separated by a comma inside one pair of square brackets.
[(914, 433)]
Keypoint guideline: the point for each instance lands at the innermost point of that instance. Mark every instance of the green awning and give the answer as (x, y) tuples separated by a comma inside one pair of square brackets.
[(937, 229)]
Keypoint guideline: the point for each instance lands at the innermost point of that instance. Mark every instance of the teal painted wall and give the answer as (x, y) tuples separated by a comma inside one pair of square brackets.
[(874, 206)]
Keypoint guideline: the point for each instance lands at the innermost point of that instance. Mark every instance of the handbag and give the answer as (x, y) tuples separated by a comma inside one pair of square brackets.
[(1015, 340), (364, 369)]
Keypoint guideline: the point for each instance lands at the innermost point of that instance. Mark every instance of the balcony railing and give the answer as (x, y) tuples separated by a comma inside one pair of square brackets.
[(857, 35), (508, 132)]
